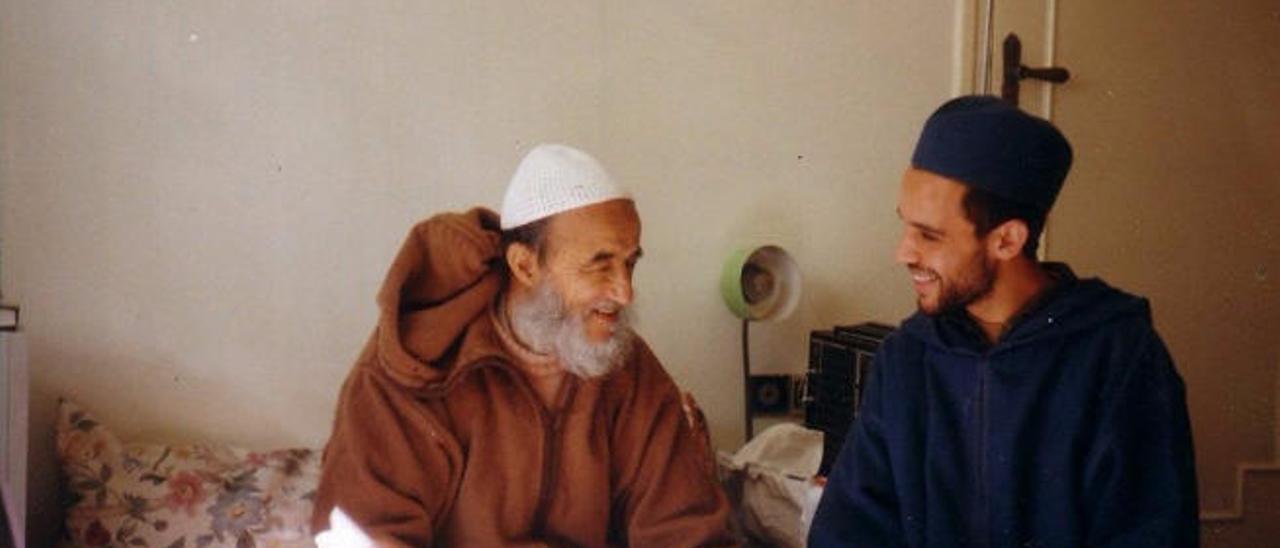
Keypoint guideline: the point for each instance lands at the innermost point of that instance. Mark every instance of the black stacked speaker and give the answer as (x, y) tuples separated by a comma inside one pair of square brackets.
[(840, 361)]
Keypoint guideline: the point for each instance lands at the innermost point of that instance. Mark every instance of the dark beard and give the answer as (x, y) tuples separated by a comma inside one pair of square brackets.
[(974, 284)]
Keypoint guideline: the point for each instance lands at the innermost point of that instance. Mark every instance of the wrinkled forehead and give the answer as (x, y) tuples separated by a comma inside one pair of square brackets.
[(612, 226)]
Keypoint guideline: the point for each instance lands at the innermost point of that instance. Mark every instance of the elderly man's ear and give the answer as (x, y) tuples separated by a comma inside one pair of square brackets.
[(522, 260)]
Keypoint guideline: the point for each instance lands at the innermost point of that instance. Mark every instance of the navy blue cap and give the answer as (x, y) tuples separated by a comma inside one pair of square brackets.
[(986, 143)]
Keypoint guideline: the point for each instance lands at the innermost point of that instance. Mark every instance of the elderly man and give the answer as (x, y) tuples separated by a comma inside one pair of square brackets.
[(1020, 406), (503, 398)]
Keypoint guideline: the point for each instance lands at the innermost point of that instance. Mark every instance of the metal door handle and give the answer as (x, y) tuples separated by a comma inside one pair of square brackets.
[(1015, 71)]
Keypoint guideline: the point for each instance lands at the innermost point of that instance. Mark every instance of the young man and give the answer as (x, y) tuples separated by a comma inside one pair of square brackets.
[(503, 399), (1020, 406)]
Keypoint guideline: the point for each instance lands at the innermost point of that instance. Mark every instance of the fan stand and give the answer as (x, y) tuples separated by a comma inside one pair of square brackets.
[(748, 424)]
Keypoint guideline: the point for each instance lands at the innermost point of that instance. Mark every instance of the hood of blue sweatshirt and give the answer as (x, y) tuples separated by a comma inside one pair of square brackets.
[(1070, 306)]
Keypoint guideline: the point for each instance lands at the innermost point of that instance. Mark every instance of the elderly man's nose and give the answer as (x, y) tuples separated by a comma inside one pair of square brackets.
[(620, 290)]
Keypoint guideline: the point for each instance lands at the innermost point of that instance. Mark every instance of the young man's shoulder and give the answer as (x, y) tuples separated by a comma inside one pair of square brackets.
[(1095, 307)]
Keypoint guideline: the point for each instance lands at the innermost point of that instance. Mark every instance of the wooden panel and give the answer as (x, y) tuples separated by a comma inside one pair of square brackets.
[(13, 432)]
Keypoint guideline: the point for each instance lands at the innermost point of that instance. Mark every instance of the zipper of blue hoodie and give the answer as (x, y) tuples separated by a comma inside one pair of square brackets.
[(981, 534)]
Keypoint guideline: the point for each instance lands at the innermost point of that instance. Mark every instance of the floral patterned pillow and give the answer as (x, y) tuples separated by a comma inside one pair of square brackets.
[(181, 496)]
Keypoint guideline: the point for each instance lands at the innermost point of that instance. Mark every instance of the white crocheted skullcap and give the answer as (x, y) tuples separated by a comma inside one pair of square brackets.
[(553, 179)]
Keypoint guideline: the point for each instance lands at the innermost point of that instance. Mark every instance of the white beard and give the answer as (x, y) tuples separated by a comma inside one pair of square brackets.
[(543, 323)]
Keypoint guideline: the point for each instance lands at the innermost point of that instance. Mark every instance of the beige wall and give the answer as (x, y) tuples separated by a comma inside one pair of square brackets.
[(200, 198), (751, 124)]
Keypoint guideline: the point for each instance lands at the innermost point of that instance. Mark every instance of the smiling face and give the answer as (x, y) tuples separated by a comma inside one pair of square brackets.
[(948, 262), (571, 299), (590, 256)]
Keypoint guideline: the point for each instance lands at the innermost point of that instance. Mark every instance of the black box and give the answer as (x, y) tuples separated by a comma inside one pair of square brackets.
[(839, 362)]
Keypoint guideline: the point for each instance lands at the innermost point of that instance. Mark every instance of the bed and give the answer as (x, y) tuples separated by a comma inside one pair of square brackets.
[(204, 495)]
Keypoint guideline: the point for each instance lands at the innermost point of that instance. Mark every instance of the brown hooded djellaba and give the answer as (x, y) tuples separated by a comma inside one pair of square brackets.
[(439, 439)]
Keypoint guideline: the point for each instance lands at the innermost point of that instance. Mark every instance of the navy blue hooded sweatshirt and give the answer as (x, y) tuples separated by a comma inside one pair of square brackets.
[(1071, 430)]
